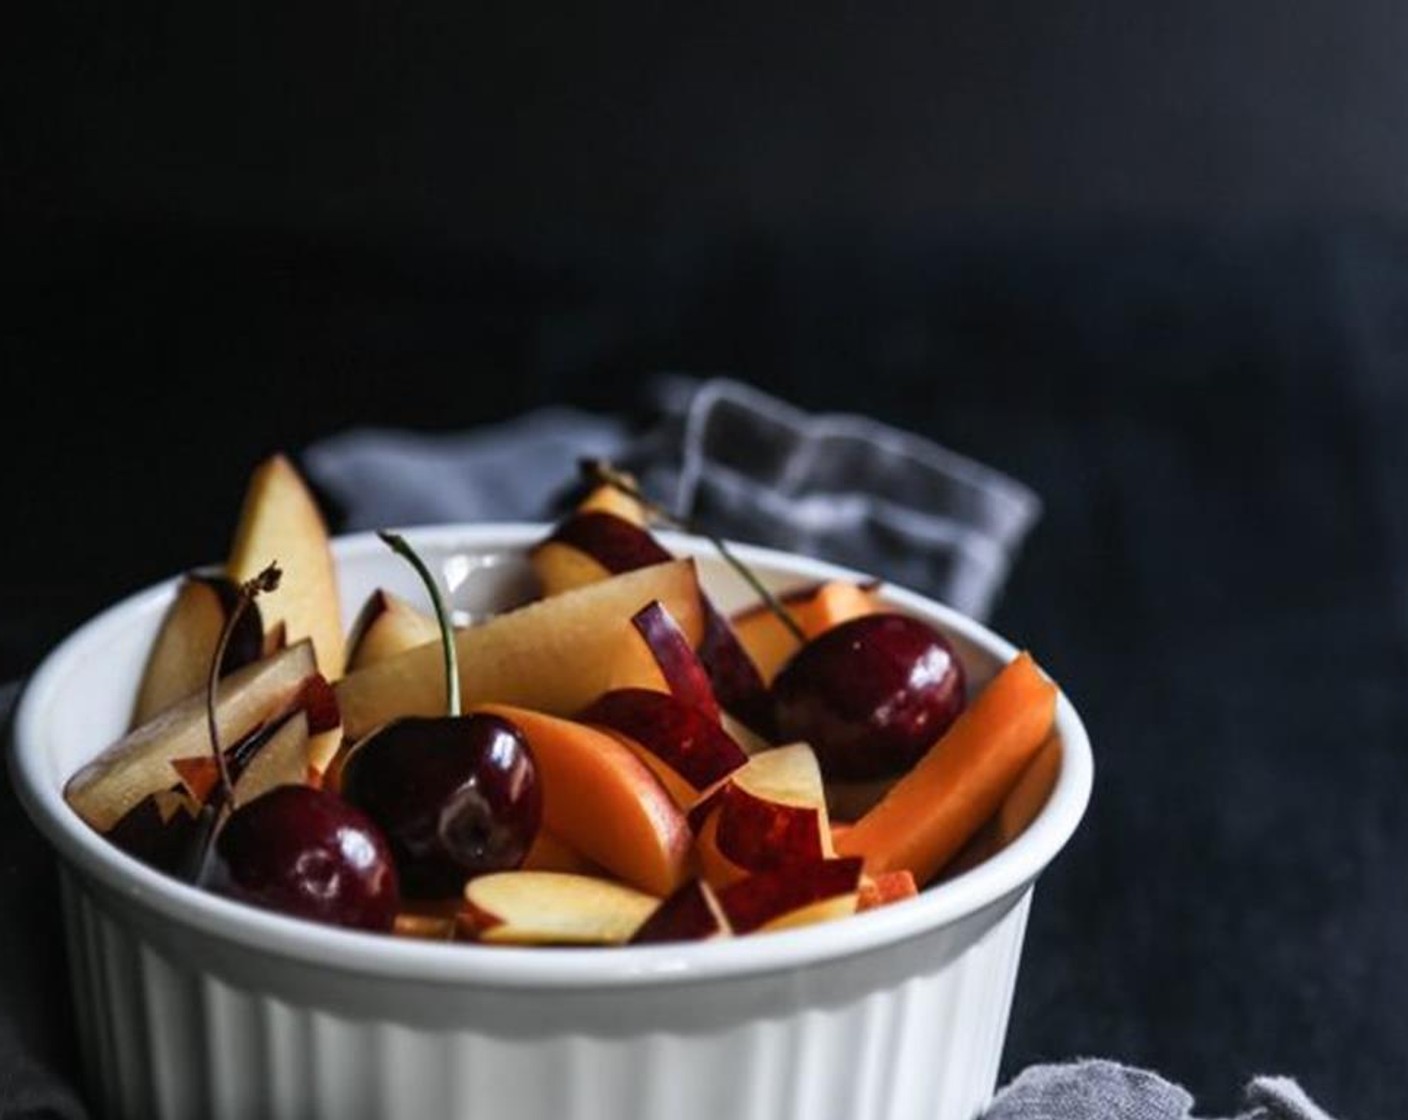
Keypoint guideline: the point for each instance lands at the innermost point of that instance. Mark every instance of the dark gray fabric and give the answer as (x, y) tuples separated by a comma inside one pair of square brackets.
[(743, 463), (1094, 1089)]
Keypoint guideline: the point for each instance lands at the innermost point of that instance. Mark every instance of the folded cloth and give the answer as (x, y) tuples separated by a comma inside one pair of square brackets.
[(731, 460), (1102, 1090), (509, 472)]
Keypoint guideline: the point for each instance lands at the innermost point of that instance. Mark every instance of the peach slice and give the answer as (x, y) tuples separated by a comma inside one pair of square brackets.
[(686, 748), (815, 609), (610, 499), (386, 626), (139, 764), (280, 522), (190, 630), (772, 812), (552, 908), (317, 707), (166, 829), (590, 546), (692, 913), (561, 566), (556, 655), (604, 802), (793, 896)]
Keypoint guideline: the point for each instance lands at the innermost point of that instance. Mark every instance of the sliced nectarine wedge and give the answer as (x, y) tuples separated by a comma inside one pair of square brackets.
[(692, 913), (386, 626), (772, 811), (185, 643), (590, 546), (556, 655), (552, 908), (611, 499), (280, 522), (793, 896), (139, 764), (686, 747)]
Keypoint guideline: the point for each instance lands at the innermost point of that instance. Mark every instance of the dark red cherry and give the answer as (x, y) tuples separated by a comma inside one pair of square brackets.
[(307, 853), (456, 797), (870, 695)]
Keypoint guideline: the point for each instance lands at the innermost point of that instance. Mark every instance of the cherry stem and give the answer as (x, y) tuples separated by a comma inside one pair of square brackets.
[(267, 580), (602, 471), (397, 544)]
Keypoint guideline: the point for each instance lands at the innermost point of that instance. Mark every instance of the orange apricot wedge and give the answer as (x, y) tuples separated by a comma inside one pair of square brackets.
[(603, 802)]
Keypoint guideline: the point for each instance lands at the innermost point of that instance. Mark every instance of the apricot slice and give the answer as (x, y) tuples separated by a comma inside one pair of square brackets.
[(601, 800)]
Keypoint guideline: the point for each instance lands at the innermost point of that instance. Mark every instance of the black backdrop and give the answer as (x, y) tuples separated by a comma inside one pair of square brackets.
[(1151, 261)]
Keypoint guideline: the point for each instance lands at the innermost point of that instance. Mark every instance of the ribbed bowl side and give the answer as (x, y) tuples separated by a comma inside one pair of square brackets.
[(165, 1039)]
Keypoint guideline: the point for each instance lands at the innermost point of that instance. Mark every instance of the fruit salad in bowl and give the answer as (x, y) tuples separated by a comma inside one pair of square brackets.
[(666, 826)]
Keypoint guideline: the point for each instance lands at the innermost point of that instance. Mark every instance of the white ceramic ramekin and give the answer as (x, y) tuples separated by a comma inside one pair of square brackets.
[(190, 1005)]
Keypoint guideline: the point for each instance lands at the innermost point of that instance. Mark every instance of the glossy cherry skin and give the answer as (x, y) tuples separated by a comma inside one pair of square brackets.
[(870, 695), (305, 852), (456, 797)]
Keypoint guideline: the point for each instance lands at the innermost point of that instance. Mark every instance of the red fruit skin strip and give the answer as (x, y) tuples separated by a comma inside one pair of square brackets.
[(765, 835), (692, 913), (613, 542), (693, 745), (678, 662), (759, 899)]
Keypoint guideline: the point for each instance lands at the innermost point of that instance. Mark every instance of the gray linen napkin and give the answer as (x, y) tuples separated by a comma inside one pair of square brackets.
[(734, 460), (1094, 1089)]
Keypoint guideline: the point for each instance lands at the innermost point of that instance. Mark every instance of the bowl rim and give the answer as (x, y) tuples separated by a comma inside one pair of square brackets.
[(385, 957)]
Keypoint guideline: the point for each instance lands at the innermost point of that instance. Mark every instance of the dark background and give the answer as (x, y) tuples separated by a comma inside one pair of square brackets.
[(1151, 259)]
